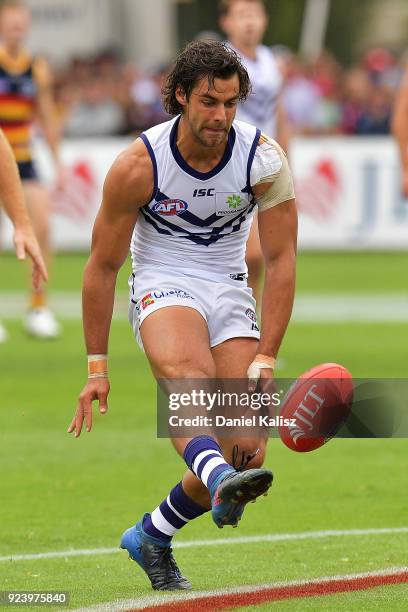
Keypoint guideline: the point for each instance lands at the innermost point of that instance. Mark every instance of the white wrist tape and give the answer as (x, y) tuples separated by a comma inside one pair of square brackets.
[(260, 362)]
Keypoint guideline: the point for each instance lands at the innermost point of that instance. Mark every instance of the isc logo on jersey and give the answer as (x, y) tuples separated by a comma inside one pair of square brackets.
[(168, 208)]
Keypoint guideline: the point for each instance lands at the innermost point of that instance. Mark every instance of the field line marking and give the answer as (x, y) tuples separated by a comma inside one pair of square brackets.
[(308, 307), (273, 537), (233, 596)]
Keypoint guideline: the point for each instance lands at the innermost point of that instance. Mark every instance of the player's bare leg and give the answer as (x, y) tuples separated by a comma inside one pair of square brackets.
[(40, 321), (254, 260), (184, 353)]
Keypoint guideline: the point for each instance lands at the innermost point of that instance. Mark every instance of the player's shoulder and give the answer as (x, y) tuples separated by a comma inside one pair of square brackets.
[(269, 157), (130, 178), (158, 135)]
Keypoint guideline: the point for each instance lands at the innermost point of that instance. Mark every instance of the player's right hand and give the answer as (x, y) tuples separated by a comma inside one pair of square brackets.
[(95, 389)]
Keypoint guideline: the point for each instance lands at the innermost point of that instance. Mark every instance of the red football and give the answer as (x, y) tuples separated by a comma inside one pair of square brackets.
[(318, 403)]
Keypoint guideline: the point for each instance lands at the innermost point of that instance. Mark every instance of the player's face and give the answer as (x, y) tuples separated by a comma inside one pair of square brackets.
[(245, 23), (14, 24), (210, 111)]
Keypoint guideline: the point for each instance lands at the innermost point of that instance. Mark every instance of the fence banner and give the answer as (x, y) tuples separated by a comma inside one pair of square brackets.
[(348, 192)]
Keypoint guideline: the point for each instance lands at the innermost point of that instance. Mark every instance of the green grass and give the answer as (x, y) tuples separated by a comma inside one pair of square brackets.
[(59, 493), (317, 272)]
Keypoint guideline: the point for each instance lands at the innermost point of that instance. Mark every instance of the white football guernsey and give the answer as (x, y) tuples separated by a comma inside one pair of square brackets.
[(267, 81), (196, 220)]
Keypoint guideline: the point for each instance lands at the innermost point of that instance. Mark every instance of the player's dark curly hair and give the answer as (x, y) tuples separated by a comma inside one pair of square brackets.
[(203, 58)]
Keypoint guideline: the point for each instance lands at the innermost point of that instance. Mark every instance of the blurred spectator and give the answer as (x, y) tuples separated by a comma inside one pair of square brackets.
[(94, 112), (300, 97), (146, 108), (357, 89), (376, 117), (102, 96)]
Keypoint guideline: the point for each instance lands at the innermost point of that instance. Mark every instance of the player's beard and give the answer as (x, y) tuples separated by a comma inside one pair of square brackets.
[(210, 139)]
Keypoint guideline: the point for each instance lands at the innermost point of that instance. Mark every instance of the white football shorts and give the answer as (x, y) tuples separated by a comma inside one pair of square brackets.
[(226, 304)]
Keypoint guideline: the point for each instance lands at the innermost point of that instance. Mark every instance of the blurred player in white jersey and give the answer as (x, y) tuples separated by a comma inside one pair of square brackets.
[(400, 129), (192, 185), (244, 22), (12, 199)]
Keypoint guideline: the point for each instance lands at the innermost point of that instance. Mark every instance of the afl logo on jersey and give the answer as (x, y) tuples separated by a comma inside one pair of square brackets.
[(168, 208)]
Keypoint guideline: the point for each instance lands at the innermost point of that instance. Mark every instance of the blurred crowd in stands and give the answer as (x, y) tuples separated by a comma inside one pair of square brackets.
[(105, 97)]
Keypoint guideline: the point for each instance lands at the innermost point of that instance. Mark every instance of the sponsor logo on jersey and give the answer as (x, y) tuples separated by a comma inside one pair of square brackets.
[(229, 203), (201, 193), (234, 201), (168, 208)]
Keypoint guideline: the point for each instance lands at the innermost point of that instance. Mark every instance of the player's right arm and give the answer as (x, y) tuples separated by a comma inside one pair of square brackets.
[(400, 129), (128, 187)]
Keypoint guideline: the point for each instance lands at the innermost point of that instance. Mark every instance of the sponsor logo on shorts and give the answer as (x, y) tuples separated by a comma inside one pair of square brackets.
[(146, 301), (150, 298), (177, 293), (251, 314), (169, 208)]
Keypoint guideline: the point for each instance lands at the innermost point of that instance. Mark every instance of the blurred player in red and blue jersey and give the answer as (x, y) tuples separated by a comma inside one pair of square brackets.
[(25, 94)]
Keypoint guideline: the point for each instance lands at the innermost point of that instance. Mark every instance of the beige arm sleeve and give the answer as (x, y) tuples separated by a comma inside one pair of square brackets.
[(271, 165)]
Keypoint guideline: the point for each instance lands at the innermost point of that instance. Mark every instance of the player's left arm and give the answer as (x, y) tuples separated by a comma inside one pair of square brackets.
[(46, 108), (277, 222)]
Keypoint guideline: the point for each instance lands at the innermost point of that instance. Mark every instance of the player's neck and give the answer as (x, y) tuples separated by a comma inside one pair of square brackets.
[(194, 153), (249, 51)]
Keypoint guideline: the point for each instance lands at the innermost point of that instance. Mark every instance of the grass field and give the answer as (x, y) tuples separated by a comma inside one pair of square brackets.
[(61, 494)]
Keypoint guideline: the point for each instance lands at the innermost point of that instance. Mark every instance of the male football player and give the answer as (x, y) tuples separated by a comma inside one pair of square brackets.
[(190, 307), (244, 22), (25, 88), (12, 199)]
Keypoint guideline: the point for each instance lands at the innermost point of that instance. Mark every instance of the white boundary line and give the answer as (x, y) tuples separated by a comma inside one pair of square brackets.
[(308, 307), (273, 537), (152, 600)]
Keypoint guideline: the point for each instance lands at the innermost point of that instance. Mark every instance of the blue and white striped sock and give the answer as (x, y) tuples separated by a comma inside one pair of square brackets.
[(203, 456), (173, 513)]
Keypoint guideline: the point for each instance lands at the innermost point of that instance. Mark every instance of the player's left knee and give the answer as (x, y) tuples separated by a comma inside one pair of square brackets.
[(257, 454), (248, 453)]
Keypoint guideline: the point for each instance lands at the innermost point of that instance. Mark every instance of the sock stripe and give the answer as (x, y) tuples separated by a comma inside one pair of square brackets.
[(184, 505), (206, 461), (202, 456), (171, 517), (161, 523), (176, 512), (210, 465)]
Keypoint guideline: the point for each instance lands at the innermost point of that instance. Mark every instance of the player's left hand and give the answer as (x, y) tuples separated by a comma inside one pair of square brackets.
[(26, 243), (260, 372)]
